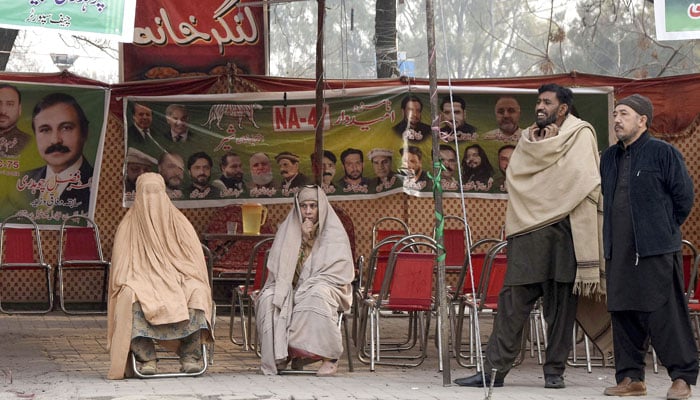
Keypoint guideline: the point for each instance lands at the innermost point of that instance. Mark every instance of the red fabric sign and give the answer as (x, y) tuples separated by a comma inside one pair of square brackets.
[(174, 39)]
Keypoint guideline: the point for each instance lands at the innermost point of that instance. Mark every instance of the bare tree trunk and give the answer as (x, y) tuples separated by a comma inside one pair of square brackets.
[(7, 41), (385, 38)]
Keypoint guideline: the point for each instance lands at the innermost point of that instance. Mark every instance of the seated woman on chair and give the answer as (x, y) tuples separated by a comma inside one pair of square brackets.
[(310, 269), (159, 285)]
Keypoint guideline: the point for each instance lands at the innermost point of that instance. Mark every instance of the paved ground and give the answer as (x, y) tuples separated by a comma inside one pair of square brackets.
[(56, 356)]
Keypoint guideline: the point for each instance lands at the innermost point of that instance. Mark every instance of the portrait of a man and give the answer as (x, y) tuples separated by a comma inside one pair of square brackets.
[(63, 185)]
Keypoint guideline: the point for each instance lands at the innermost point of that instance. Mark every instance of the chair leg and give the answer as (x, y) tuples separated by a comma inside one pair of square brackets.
[(372, 339), (205, 365), (342, 321)]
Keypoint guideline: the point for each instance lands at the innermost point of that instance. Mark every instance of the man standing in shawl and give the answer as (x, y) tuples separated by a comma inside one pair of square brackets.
[(310, 269), (552, 232), (648, 195), (159, 284)]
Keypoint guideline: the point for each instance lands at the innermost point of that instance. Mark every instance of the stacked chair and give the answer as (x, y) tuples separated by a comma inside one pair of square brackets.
[(80, 252), (21, 253)]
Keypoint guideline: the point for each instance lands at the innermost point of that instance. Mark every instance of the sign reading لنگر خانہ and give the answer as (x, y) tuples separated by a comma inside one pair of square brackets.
[(677, 19), (112, 19)]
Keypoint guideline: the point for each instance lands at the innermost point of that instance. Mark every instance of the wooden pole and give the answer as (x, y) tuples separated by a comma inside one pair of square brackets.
[(437, 196), (318, 147)]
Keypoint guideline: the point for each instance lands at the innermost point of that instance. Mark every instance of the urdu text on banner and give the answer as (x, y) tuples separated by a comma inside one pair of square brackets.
[(185, 38), (113, 19)]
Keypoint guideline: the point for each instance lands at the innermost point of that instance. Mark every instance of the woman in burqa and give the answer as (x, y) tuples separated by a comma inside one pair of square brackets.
[(159, 285), (310, 269)]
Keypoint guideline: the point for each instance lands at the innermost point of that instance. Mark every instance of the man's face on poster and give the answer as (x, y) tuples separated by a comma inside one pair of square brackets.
[(177, 120), (507, 114), (233, 168), (134, 170), (288, 169), (381, 166), (473, 158), (412, 162), (143, 116), (449, 160), (353, 166), (260, 169), (173, 171), (58, 137), (504, 158), (10, 109), (328, 170), (200, 172), (456, 108), (411, 113)]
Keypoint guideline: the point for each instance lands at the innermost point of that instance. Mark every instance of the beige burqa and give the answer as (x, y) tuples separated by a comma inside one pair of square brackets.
[(305, 317), (157, 260)]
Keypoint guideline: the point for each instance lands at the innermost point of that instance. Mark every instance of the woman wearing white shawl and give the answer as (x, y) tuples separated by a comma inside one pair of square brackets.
[(159, 285), (310, 269)]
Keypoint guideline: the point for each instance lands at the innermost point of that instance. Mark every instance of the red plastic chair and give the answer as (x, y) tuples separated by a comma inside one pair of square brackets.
[(484, 299), (407, 286), (20, 251), (456, 239), (80, 251), (388, 227)]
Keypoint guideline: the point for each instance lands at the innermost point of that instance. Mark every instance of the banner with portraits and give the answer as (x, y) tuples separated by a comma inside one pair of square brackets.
[(214, 150), (51, 140)]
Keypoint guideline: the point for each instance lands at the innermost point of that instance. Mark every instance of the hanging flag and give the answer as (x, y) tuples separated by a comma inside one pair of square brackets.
[(108, 18)]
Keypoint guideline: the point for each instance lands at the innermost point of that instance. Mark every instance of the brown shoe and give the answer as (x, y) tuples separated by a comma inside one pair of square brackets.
[(149, 368), (190, 365), (679, 390), (627, 387)]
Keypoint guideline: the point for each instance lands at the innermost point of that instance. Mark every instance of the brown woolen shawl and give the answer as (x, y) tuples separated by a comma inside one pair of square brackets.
[(157, 260), (558, 177)]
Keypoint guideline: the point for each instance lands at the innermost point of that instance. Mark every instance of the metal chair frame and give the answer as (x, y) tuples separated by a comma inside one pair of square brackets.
[(378, 262), (243, 294), (693, 291), (207, 349), (29, 261), (475, 304), (379, 234), (80, 262), (464, 287), (404, 255)]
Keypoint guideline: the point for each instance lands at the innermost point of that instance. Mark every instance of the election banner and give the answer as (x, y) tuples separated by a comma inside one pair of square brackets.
[(51, 140), (214, 150), (677, 19), (109, 18), (184, 38)]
